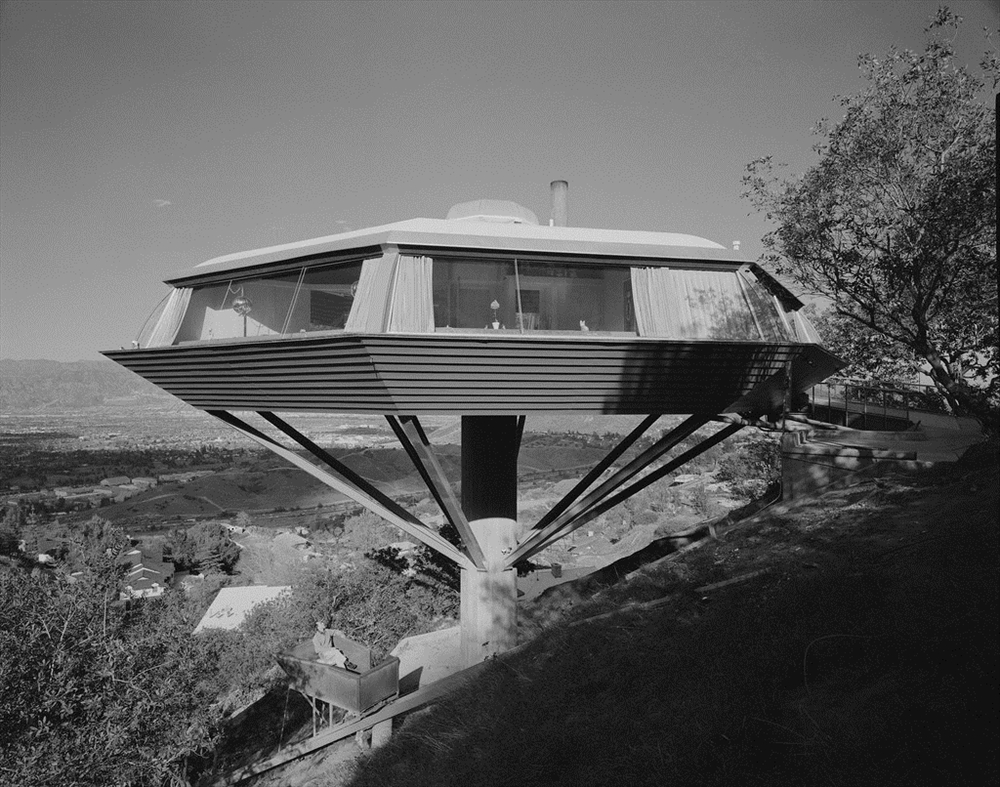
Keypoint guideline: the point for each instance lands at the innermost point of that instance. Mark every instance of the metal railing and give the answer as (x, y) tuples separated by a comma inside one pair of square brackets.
[(862, 404)]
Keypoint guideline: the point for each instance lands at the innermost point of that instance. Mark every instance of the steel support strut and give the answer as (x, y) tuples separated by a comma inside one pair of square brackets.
[(345, 481), (542, 533), (414, 440), (612, 500), (597, 471)]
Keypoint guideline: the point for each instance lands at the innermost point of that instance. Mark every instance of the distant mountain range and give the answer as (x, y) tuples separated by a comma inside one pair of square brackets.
[(38, 386)]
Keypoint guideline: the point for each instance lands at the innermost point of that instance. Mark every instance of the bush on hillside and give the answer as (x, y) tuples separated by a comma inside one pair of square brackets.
[(371, 603), (428, 568), (752, 466), (366, 531), (203, 547), (103, 692), (97, 691)]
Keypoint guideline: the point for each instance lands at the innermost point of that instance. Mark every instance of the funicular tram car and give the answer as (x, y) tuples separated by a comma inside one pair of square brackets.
[(356, 691)]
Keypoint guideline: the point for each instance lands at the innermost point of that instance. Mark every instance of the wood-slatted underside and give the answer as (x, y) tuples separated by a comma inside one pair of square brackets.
[(423, 374)]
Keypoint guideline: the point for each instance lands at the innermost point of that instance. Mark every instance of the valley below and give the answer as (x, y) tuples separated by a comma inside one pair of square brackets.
[(153, 469)]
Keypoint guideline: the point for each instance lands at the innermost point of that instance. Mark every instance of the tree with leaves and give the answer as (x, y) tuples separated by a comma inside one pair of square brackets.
[(97, 691), (896, 224), (206, 546), (873, 357)]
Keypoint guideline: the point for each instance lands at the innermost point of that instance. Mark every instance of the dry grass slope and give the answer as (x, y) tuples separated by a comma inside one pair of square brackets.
[(864, 653)]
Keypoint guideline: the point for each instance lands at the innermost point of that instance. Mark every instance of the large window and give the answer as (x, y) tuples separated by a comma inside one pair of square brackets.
[(718, 305), (400, 293), (300, 301), (785, 318), (325, 299), (509, 295)]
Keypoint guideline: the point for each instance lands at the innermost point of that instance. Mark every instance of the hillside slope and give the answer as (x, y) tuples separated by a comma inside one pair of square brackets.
[(32, 386), (848, 640)]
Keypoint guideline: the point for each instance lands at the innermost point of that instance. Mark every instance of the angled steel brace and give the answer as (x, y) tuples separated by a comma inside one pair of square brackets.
[(633, 468), (416, 444), (596, 471), (347, 482), (360, 482), (612, 500)]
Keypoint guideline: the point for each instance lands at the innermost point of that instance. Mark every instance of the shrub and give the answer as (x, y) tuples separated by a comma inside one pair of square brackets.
[(702, 503), (752, 466), (371, 603), (97, 692), (201, 547)]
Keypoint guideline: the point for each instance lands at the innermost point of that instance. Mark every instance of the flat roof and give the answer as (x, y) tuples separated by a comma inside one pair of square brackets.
[(481, 236), (232, 605)]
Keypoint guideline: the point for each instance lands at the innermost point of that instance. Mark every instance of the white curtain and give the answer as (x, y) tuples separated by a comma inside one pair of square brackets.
[(775, 323), (805, 331), (412, 304), (370, 309), (680, 303), (165, 330)]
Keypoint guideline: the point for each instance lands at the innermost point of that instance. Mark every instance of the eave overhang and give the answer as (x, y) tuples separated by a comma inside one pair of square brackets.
[(425, 235), (405, 374)]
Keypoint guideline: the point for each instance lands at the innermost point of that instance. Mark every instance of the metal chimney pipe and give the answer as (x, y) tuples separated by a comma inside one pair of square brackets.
[(559, 190)]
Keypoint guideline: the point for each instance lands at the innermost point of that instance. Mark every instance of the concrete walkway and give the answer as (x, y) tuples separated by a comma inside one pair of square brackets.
[(427, 658), (942, 439), (816, 458), (948, 438)]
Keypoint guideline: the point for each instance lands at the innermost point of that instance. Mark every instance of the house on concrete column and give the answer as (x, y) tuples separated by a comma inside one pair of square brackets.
[(487, 315)]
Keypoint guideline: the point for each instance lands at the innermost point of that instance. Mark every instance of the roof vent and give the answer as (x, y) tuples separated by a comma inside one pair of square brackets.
[(560, 188), (497, 211)]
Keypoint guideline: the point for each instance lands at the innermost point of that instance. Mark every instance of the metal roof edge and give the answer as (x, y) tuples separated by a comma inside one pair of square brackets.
[(458, 234), (567, 246)]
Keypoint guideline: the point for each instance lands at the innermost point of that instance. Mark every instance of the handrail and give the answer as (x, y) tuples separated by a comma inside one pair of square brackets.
[(884, 401), (919, 388)]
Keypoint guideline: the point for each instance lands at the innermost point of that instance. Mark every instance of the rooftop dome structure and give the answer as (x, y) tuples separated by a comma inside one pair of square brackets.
[(497, 210), (489, 316)]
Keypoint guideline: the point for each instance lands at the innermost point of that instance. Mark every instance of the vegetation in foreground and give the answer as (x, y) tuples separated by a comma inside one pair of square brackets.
[(102, 692), (865, 654), (99, 691)]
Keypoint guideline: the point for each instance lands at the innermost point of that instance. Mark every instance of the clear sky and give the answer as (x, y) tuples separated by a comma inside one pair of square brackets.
[(138, 139)]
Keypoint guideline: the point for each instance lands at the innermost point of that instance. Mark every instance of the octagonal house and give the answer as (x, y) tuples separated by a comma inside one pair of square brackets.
[(489, 316)]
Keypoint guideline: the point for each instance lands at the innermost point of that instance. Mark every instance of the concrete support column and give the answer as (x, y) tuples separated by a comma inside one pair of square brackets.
[(489, 499), (489, 466), (489, 597), (381, 733)]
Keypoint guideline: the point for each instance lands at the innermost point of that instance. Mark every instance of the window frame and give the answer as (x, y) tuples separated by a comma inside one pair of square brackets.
[(233, 282)]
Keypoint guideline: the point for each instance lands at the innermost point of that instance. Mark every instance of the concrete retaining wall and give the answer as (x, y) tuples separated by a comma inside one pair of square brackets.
[(811, 460)]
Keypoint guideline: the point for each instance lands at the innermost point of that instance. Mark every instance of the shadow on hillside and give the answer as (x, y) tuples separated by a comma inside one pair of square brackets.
[(278, 719), (554, 603), (862, 651)]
